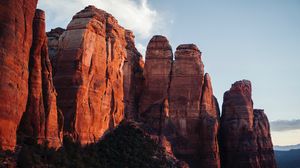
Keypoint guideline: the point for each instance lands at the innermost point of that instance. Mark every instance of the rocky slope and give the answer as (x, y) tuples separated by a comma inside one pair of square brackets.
[(101, 79)]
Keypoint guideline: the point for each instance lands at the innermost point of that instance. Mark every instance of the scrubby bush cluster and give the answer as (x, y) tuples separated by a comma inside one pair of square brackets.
[(125, 147)]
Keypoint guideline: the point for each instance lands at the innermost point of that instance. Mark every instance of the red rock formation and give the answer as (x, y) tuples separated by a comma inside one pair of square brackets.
[(16, 18), (89, 78), (157, 73), (209, 126), (40, 118), (133, 77), (53, 39), (263, 139), (185, 98), (178, 103), (242, 134)]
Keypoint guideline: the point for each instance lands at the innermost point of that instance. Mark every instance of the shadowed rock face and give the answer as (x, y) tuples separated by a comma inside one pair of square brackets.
[(89, 78), (40, 119), (15, 43), (209, 126), (261, 125), (244, 138), (178, 103), (133, 77), (157, 73), (185, 98), (53, 44)]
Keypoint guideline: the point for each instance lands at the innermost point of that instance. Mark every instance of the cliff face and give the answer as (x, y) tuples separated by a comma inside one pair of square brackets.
[(157, 71), (244, 135), (177, 102), (40, 120), (133, 77), (88, 76), (265, 150), (16, 17), (53, 45)]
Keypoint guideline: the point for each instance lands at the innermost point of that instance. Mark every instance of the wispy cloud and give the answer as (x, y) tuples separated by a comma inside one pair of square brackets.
[(135, 15), (285, 125)]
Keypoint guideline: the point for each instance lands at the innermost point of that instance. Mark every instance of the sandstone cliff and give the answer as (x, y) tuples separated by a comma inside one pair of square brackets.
[(244, 134), (177, 102), (16, 17), (40, 119), (101, 79), (88, 77)]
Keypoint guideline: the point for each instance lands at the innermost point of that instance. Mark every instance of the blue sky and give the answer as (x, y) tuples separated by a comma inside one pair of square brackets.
[(255, 40)]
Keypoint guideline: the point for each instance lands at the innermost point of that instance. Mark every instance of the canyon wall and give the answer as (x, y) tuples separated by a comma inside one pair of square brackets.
[(16, 17), (245, 139)]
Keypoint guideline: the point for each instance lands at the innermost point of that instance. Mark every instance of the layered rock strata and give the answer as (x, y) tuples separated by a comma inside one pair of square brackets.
[(177, 102), (157, 71), (89, 78), (16, 17), (244, 134), (40, 120)]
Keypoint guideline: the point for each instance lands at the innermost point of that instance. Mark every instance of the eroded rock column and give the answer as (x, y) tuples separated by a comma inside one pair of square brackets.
[(244, 138), (40, 120), (157, 72)]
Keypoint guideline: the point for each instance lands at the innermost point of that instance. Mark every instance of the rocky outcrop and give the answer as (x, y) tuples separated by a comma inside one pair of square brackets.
[(40, 119), (178, 103), (157, 71), (16, 19), (185, 99), (53, 40), (209, 127), (133, 77), (265, 150), (244, 139), (89, 78)]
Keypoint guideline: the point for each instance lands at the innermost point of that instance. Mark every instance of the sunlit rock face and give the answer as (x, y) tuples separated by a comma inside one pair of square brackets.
[(16, 17), (40, 120), (89, 77), (177, 102), (244, 135)]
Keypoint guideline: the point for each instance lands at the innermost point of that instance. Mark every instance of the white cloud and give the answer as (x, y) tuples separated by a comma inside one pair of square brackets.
[(285, 125), (135, 15), (141, 48)]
